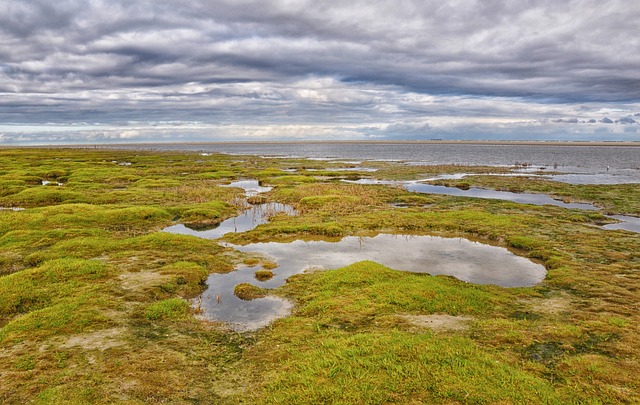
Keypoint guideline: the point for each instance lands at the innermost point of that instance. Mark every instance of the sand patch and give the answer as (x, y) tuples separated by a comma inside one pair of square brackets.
[(141, 280), (102, 339), (554, 305), (440, 323)]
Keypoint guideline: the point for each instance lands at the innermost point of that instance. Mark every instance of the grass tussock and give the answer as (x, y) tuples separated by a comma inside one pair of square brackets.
[(172, 308), (248, 292), (263, 275)]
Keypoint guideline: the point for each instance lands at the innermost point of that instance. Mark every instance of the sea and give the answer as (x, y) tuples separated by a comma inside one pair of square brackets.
[(576, 164)]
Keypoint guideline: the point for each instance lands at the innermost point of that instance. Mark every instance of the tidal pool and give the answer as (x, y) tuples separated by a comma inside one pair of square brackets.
[(627, 223), (219, 303), (345, 169), (11, 209), (523, 198), (247, 220), (595, 178), (250, 187), (466, 260)]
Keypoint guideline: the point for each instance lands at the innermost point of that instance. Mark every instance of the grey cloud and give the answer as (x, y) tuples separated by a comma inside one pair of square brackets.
[(627, 120), (568, 121), (606, 120), (306, 62)]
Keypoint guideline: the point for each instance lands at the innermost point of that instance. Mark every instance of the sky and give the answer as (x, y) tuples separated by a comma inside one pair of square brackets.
[(122, 71)]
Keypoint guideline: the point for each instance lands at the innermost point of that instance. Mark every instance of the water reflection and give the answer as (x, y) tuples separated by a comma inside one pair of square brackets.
[(11, 209), (468, 261), (250, 187), (523, 198), (627, 223), (596, 178), (345, 169), (220, 303), (246, 221)]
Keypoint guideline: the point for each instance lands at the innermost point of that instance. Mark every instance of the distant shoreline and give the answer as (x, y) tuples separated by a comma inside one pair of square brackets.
[(429, 141), (346, 142)]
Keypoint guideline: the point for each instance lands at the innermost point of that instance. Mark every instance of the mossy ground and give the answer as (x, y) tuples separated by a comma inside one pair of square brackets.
[(94, 298)]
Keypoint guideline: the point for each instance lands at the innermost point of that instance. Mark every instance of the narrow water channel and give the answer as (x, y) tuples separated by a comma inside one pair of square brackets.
[(250, 187), (627, 222), (247, 220)]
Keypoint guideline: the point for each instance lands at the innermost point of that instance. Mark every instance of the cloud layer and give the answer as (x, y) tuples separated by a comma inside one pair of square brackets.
[(107, 71)]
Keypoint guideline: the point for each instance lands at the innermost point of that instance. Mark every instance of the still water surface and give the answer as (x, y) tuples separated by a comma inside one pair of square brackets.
[(522, 198), (626, 223), (250, 187), (466, 260), (590, 164), (246, 221)]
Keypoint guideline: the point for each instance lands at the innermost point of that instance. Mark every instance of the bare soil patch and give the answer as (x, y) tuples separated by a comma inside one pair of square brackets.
[(439, 322)]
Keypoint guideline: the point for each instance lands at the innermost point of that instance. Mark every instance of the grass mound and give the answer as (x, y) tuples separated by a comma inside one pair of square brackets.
[(248, 292)]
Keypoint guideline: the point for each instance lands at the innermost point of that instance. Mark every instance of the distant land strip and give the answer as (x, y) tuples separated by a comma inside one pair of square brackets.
[(354, 142)]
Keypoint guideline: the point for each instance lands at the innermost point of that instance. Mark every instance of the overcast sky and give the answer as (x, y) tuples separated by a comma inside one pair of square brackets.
[(140, 71)]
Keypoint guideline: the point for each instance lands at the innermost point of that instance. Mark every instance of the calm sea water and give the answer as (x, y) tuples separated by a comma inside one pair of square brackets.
[(585, 164)]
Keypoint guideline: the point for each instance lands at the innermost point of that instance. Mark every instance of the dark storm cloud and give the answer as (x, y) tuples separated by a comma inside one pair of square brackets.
[(385, 64)]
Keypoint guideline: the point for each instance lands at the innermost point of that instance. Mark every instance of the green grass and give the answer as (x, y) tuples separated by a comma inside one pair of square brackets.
[(367, 290), (39, 287), (347, 343), (248, 292), (172, 308), (94, 296), (398, 367)]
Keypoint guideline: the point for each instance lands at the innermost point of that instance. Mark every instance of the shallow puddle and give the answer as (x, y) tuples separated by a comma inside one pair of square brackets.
[(468, 261), (595, 178), (47, 182), (250, 187), (247, 220), (219, 302), (11, 209), (523, 198), (627, 223), (345, 169)]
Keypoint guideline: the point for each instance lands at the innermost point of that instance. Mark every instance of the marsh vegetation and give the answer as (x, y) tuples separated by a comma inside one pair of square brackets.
[(99, 305)]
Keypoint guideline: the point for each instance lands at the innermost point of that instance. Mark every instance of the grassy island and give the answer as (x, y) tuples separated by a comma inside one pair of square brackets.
[(98, 305)]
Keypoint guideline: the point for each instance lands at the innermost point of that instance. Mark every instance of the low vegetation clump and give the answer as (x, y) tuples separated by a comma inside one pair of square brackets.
[(97, 300), (172, 308), (269, 265), (248, 292), (263, 275)]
